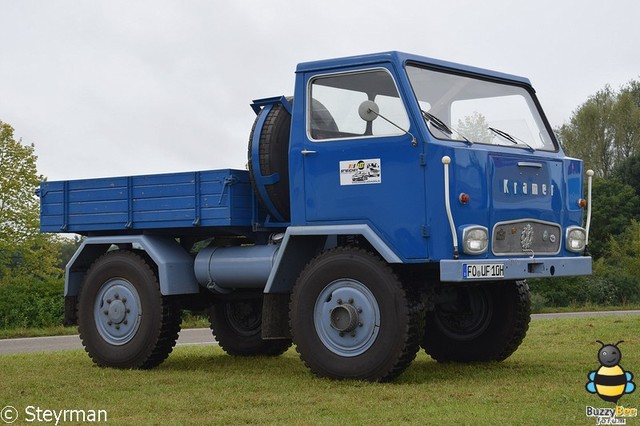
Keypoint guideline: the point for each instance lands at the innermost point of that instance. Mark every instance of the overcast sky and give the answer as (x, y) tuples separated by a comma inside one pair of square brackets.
[(110, 87)]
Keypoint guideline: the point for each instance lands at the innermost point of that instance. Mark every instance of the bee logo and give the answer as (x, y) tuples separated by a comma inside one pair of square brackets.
[(610, 381)]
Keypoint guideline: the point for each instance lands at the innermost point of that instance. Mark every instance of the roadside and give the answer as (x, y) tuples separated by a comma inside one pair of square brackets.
[(189, 336), (203, 336), (585, 314)]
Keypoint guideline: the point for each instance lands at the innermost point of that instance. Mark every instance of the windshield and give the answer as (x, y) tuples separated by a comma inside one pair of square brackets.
[(462, 108)]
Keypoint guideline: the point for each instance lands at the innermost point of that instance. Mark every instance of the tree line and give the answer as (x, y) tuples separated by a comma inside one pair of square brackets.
[(31, 274), (605, 133)]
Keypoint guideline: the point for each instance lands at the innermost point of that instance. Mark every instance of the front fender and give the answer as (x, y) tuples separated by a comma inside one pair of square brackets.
[(303, 243)]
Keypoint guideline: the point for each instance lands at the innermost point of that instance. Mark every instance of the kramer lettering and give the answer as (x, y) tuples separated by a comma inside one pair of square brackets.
[(524, 188)]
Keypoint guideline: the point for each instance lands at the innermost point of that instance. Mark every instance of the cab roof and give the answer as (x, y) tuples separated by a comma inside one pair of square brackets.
[(400, 59)]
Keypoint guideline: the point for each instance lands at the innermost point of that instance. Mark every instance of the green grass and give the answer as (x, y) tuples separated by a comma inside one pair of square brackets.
[(542, 383)]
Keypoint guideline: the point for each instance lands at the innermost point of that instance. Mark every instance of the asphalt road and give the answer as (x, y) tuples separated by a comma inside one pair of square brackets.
[(203, 336), (189, 336)]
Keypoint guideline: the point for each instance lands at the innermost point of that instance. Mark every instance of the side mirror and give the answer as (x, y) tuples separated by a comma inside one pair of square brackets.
[(368, 110)]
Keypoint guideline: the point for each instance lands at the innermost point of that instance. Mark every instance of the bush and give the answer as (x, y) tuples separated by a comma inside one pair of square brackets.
[(607, 286), (615, 279), (561, 291), (32, 304), (613, 286), (538, 302)]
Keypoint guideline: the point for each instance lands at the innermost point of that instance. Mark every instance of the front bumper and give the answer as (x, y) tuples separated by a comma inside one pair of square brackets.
[(516, 269)]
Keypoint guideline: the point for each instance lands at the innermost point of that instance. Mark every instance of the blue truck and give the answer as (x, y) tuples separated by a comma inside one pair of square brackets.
[(395, 202)]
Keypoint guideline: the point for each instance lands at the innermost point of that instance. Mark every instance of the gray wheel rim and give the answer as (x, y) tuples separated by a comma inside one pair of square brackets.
[(117, 311), (244, 318), (472, 324), (347, 317)]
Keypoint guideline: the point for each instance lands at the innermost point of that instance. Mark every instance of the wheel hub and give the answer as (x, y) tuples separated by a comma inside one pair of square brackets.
[(244, 317), (117, 311), (344, 318), (467, 315), (347, 317)]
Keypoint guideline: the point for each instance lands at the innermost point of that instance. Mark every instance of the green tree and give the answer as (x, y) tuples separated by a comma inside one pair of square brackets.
[(625, 251), (615, 206), (626, 121), (475, 128), (589, 133), (616, 275), (25, 253), (67, 249), (628, 171), (605, 130)]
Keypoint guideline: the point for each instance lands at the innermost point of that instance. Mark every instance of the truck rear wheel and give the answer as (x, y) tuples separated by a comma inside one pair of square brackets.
[(351, 318), (237, 326), (485, 322), (124, 321)]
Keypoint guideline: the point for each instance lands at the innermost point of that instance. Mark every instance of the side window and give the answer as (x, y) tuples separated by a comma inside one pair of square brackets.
[(334, 102)]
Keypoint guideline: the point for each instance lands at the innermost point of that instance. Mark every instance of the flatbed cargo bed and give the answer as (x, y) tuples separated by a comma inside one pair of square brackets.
[(188, 200)]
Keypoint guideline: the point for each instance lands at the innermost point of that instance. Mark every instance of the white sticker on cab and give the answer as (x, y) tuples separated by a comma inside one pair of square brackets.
[(359, 172)]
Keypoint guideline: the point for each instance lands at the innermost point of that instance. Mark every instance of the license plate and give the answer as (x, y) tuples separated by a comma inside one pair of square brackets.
[(482, 270)]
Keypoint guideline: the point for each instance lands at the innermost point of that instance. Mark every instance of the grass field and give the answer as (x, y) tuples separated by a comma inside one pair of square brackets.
[(542, 383)]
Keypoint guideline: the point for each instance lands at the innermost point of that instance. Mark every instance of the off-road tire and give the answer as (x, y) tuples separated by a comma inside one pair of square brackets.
[(387, 333), (122, 288), (494, 331), (237, 326)]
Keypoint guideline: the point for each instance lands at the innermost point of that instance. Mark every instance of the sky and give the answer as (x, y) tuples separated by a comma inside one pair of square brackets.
[(113, 87)]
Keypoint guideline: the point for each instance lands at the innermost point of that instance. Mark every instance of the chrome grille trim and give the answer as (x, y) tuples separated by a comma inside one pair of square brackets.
[(526, 237)]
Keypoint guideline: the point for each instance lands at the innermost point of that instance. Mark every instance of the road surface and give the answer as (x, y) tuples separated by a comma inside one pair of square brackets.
[(202, 336), (189, 336)]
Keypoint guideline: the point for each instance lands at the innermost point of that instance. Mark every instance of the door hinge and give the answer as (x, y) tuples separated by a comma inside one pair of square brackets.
[(423, 161), (425, 231)]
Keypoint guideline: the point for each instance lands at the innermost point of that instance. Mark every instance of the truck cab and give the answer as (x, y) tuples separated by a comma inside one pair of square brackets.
[(513, 207)]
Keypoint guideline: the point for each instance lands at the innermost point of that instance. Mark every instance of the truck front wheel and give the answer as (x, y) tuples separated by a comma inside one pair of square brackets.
[(237, 326), (484, 322), (351, 318), (124, 321)]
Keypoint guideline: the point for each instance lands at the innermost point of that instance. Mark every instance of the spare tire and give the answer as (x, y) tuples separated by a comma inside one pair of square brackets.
[(273, 157)]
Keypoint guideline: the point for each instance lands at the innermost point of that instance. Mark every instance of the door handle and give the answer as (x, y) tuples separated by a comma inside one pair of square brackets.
[(307, 152)]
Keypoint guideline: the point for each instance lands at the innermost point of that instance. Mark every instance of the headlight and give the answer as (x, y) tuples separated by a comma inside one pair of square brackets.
[(576, 239), (475, 240)]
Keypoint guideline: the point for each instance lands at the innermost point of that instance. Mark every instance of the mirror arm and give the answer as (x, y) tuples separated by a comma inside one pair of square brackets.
[(414, 142)]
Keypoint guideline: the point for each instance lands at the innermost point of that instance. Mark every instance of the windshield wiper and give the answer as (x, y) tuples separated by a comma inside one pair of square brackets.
[(510, 138), (440, 125), (437, 123)]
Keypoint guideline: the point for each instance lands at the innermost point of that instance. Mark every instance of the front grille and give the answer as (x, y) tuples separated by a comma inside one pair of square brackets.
[(526, 237)]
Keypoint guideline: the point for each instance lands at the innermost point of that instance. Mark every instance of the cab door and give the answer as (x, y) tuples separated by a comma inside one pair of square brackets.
[(359, 171)]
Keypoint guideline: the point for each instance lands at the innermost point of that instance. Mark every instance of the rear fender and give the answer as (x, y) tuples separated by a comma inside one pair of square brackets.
[(174, 264)]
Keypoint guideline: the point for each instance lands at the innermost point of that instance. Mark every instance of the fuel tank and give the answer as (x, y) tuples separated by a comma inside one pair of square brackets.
[(223, 269)]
